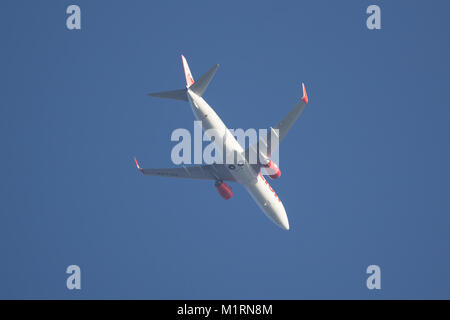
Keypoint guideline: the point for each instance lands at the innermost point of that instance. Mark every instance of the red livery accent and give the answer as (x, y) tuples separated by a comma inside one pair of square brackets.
[(224, 189), (137, 165), (187, 72), (274, 170), (270, 188), (305, 95)]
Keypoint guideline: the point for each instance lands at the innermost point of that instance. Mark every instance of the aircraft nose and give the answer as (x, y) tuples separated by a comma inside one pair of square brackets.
[(283, 221), (276, 213), (280, 217)]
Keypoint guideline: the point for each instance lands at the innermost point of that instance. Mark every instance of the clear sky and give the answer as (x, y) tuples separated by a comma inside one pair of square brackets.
[(365, 169)]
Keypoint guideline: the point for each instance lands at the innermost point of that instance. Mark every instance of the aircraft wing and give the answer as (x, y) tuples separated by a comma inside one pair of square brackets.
[(284, 125), (203, 172), (264, 144)]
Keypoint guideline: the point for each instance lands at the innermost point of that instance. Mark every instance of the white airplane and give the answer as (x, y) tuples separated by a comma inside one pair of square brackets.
[(241, 171)]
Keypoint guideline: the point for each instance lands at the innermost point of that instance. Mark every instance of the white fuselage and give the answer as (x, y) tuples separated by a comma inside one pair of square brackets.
[(242, 171)]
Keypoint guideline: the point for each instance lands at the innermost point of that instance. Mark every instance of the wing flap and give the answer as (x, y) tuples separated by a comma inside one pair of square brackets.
[(201, 84)]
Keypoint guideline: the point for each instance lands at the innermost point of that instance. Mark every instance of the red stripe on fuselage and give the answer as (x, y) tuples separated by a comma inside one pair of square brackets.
[(270, 188)]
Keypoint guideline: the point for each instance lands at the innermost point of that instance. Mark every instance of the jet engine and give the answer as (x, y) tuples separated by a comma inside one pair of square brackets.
[(273, 170), (223, 189)]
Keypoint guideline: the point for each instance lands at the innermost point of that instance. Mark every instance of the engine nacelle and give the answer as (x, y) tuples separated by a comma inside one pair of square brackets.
[(273, 170), (224, 189)]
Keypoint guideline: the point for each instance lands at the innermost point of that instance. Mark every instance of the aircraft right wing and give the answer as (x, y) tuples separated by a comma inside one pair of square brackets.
[(284, 125), (204, 172), (264, 145)]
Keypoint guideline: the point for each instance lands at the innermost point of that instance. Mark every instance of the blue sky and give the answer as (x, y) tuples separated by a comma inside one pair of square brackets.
[(365, 169)]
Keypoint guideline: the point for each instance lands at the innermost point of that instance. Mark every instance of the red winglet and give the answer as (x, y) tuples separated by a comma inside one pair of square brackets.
[(137, 165), (305, 95)]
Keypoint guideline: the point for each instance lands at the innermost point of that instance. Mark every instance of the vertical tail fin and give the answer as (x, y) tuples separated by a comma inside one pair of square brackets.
[(201, 84), (187, 72), (198, 87)]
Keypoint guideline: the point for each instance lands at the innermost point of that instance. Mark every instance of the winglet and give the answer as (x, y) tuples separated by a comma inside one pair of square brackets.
[(137, 165), (187, 72), (305, 95)]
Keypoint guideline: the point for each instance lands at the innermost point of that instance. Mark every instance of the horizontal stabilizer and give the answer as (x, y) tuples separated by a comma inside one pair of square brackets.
[(174, 94), (201, 84), (198, 87)]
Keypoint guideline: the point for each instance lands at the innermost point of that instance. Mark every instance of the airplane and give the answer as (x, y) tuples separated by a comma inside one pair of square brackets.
[(241, 171)]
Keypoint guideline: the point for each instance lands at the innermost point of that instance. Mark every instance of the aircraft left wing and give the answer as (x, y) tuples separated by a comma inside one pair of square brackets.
[(203, 172)]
